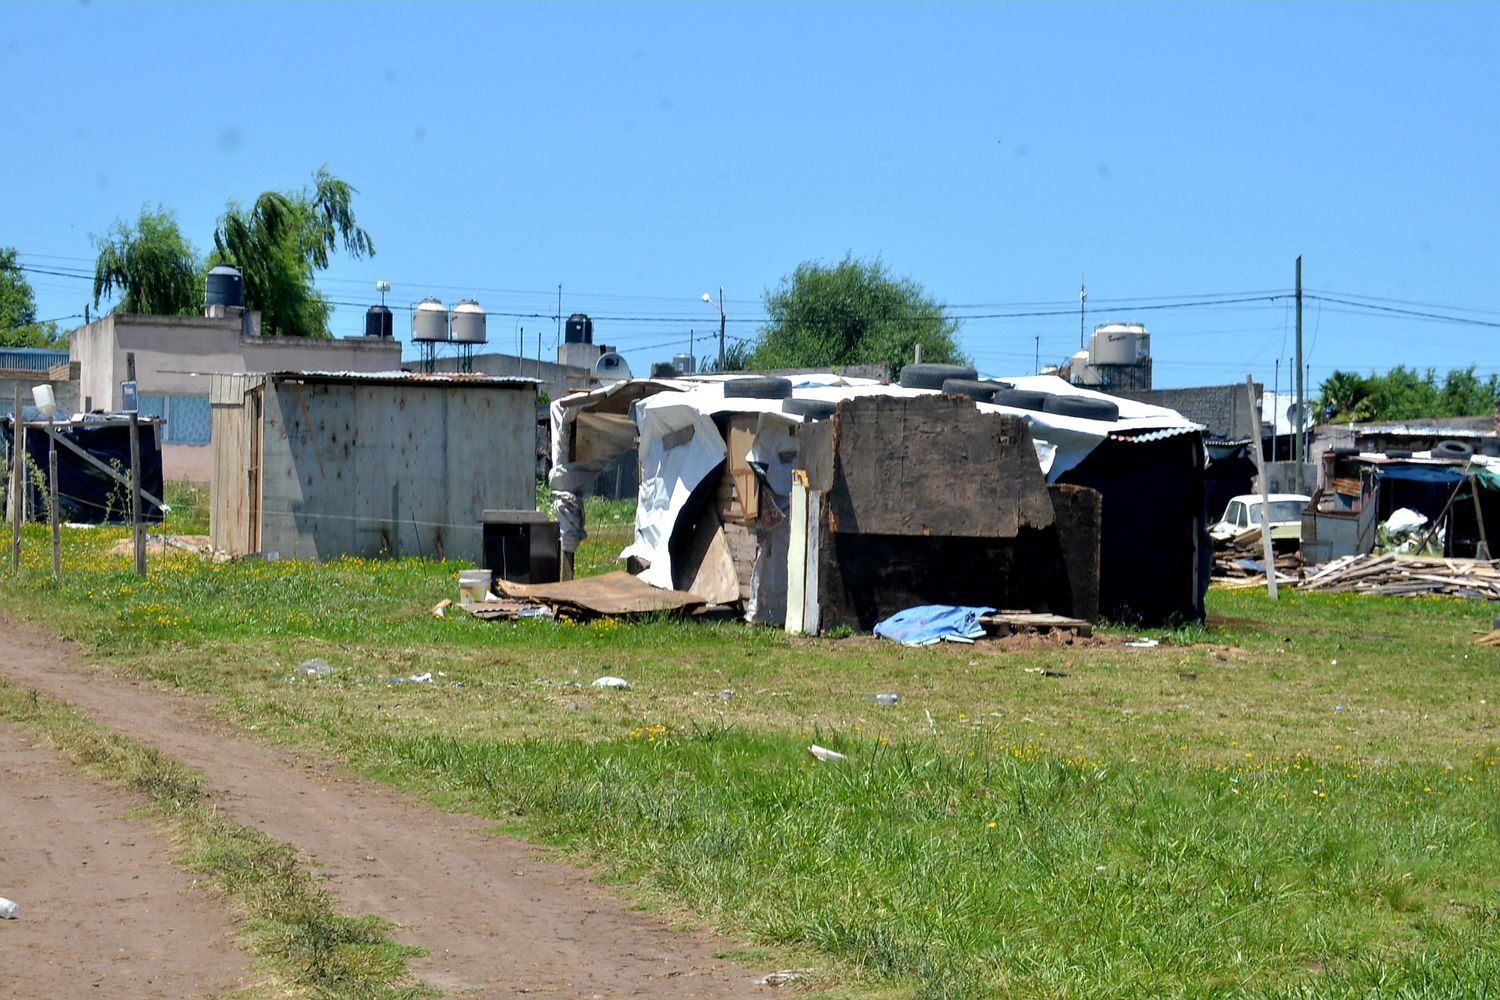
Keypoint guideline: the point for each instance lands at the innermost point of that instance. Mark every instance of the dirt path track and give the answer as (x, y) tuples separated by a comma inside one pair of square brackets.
[(103, 908), (498, 916)]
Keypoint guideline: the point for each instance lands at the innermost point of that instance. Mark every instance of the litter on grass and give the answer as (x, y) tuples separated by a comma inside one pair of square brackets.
[(826, 755), (315, 667), (612, 684)]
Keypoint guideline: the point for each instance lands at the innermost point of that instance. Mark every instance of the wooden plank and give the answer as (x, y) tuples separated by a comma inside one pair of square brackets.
[(796, 556), (741, 438)]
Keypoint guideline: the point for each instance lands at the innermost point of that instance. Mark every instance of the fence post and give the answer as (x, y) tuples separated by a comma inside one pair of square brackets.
[(17, 464), (137, 522)]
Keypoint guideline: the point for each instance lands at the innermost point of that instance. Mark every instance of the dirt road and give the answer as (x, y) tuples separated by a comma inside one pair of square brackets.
[(103, 909), (498, 916)]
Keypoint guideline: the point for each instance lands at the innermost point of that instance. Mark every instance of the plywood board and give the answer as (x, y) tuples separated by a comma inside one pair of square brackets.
[(616, 593), (933, 466), (710, 564)]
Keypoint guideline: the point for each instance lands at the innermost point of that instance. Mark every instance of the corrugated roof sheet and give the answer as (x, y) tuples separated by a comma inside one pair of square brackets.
[(31, 359)]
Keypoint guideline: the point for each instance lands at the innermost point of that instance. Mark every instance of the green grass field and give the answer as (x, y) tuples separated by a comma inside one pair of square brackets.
[(1299, 800)]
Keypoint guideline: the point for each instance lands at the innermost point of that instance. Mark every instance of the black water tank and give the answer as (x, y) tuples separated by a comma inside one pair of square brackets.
[(378, 322), (580, 329), (224, 287), (663, 369)]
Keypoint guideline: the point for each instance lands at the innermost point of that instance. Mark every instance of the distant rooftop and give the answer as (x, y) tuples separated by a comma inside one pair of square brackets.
[(31, 359)]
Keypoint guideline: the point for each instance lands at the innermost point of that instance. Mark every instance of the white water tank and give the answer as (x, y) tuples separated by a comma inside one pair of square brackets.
[(468, 323), (1120, 344), (429, 321), (1080, 371)]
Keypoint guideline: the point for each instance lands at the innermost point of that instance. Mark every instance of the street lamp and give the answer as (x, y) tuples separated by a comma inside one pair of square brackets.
[(719, 305)]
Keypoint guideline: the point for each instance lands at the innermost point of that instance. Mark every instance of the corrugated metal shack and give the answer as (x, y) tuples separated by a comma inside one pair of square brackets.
[(316, 465)]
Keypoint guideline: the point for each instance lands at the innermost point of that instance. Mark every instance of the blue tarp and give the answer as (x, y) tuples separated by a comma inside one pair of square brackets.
[(930, 623), (1421, 473)]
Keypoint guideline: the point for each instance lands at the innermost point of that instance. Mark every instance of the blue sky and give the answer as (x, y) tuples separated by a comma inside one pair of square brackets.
[(639, 154)]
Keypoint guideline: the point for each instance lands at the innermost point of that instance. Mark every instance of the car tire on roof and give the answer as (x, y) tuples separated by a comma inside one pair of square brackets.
[(976, 389), (812, 409), (1082, 406), (758, 387), (925, 376), (1020, 399)]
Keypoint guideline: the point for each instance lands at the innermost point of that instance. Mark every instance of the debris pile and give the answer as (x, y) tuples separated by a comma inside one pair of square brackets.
[(1241, 558), (1407, 576)]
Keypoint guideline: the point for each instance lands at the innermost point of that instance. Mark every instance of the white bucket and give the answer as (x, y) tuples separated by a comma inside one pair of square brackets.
[(473, 585)]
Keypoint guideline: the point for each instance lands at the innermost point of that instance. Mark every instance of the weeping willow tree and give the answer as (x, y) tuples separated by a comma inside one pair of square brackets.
[(281, 241), (151, 265)]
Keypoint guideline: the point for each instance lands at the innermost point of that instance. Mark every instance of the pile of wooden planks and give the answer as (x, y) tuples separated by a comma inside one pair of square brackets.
[(1233, 557), (1409, 576)]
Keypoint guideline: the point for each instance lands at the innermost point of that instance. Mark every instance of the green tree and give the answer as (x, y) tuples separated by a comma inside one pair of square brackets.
[(1403, 394), (853, 312), (1345, 398), (281, 241), (18, 322), (1464, 395), (152, 266), (736, 358)]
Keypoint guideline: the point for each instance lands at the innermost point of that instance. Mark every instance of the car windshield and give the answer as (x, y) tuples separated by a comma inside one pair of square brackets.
[(1281, 510)]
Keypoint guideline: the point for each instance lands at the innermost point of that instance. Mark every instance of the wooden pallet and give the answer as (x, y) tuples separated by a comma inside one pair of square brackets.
[(1003, 623)]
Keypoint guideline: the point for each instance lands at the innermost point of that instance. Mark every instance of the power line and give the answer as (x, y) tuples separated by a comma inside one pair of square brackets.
[(1437, 317)]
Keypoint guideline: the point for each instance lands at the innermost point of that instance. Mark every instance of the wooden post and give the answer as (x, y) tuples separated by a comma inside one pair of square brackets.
[(17, 481), (1265, 500), (1483, 551), (52, 493), (137, 522)]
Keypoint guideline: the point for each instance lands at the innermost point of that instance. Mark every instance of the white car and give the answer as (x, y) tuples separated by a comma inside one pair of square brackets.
[(1245, 512)]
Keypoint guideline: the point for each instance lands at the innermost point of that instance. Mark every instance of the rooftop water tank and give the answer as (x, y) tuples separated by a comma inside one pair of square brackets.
[(378, 322), (1081, 372), (1119, 344), (580, 330), (683, 363), (224, 287), (468, 323), (429, 321)]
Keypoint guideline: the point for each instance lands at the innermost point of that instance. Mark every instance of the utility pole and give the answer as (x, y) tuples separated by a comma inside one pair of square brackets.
[(558, 335), (1083, 296), (1297, 449), (1036, 366), (721, 328)]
